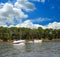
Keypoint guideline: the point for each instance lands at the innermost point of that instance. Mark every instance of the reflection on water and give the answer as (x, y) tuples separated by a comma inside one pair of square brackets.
[(45, 49), (19, 48)]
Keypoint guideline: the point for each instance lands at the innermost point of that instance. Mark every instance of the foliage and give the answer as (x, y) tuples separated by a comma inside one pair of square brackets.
[(15, 33)]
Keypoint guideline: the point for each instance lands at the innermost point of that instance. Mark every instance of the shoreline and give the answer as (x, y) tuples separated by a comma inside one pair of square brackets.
[(43, 40), (53, 40)]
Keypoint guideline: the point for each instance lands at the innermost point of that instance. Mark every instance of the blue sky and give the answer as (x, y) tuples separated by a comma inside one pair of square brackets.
[(41, 12), (49, 9)]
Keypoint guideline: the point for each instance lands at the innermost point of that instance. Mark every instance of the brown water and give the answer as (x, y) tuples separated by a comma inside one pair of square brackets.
[(45, 49)]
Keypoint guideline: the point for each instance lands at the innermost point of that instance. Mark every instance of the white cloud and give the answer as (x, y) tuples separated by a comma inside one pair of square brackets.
[(8, 11), (54, 25), (52, 7), (25, 4), (29, 24), (11, 26), (1, 5), (41, 19), (42, 1)]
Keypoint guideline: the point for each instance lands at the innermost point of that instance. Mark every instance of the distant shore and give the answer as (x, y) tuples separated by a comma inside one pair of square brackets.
[(44, 40)]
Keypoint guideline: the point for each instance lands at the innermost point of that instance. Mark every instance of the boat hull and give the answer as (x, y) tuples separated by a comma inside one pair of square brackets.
[(19, 42), (37, 41)]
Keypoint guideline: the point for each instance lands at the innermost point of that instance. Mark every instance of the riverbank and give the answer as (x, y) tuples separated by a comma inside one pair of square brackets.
[(6, 41), (44, 40)]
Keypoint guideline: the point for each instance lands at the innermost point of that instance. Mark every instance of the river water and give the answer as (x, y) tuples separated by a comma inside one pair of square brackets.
[(45, 49)]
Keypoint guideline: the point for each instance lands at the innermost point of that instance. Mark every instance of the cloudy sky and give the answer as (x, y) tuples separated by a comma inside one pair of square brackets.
[(30, 13)]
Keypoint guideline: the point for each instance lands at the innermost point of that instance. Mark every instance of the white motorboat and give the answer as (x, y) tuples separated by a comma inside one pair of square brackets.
[(37, 41), (19, 42)]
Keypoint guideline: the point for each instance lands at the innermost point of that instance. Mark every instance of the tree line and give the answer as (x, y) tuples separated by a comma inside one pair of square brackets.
[(15, 33)]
